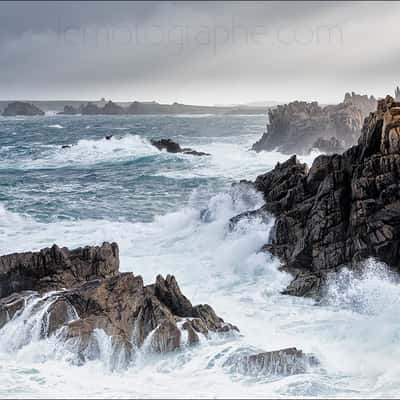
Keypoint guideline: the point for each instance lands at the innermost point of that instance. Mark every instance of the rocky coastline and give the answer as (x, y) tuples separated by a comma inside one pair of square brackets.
[(299, 127), (339, 212), (83, 292)]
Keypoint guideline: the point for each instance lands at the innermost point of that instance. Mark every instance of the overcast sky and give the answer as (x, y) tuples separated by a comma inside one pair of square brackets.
[(198, 53)]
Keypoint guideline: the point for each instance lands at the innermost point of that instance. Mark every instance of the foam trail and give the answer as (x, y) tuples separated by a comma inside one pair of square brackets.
[(56, 126), (88, 152)]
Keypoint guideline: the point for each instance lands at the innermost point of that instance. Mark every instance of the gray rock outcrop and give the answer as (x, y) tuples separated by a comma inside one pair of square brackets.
[(69, 110), (20, 108), (298, 127)]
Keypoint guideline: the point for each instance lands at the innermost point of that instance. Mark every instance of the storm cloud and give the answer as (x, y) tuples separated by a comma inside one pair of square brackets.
[(199, 53)]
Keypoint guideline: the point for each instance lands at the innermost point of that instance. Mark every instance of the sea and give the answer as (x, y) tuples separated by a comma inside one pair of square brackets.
[(169, 214)]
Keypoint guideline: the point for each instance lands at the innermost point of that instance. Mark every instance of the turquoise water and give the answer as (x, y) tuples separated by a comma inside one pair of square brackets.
[(125, 178)]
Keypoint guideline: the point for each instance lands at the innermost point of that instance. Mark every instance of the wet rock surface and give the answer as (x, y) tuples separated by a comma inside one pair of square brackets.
[(172, 147), (56, 268), (344, 209), (288, 361), (95, 297), (299, 127)]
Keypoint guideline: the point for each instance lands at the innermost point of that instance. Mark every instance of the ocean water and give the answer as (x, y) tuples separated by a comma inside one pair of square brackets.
[(151, 203)]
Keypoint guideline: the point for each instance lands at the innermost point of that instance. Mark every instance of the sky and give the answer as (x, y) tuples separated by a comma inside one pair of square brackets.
[(198, 52)]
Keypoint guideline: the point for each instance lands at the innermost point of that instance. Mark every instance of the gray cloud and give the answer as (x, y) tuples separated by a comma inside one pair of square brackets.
[(197, 52)]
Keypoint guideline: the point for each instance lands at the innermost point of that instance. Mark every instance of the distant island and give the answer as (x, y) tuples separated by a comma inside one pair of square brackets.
[(21, 108), (103, 107)]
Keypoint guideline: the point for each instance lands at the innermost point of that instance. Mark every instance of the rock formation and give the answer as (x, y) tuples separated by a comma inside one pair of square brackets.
[(281, 362), (86, 283), (298, 127), (111, 108), (69, 110), (366, 104), (89, 109), (21, 108), (77, 294), (344, 209), (172, 147), (56, 268)]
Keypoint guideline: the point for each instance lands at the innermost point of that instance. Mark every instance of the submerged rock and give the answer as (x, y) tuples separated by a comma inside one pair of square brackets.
[(21, 108), (298, 127), (288, 361), (343, 210), (172, 147)]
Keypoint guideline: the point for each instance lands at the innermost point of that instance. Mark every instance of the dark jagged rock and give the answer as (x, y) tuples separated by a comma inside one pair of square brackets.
[(96, 296), (288, 361), (168, 292), (172, 147), (345, 209), (21, 108), (69, 110), (56, 268), (167, 144), (192, 152), (298, 127)]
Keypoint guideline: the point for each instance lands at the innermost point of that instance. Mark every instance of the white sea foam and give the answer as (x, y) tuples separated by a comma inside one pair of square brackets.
[(56, 126), (87, 152), (354, 333)]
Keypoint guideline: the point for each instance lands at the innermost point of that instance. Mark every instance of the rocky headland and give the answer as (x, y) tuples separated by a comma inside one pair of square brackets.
[(299, 127), (342, 210), (21, 108)]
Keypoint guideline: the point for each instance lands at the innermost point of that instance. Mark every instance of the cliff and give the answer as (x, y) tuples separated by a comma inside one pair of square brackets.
[(21, 108), (298, 127), (343, 210)]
